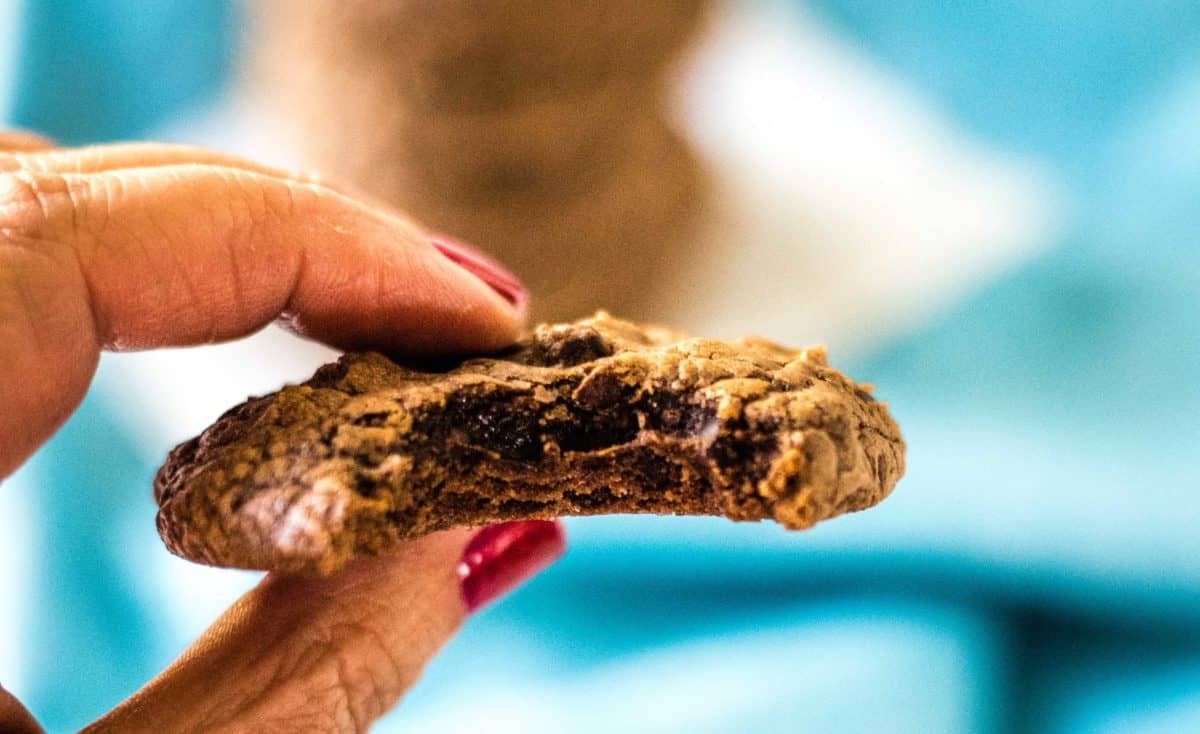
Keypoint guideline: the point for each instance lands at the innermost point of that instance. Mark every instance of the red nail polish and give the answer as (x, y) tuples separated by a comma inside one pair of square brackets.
[(500, 278), (500, 557)]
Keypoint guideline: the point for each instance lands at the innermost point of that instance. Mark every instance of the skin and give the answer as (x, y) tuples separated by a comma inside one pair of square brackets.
[(143, 245)]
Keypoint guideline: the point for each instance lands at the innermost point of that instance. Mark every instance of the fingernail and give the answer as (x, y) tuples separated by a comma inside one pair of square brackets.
[(500, 557), (500, 278)]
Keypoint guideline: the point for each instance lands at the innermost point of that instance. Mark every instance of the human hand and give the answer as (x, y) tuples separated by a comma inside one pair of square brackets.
[(140, 246)]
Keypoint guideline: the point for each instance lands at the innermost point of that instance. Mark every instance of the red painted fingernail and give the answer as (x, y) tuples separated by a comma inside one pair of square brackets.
[(501, 557), (500, 278)]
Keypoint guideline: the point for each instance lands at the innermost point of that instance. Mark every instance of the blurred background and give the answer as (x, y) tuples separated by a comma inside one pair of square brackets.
[(990, 210)]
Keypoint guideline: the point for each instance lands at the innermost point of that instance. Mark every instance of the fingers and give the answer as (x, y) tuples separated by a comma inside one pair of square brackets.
[(348, 646), (332, 654), (15, 718), (182, 255), (189, 254)]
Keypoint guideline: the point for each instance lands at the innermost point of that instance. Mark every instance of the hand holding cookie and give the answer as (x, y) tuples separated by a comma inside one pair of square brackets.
[(379, 482), (140, 246)]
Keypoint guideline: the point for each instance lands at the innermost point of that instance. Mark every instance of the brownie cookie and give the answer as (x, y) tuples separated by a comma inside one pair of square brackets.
[(592, 417)]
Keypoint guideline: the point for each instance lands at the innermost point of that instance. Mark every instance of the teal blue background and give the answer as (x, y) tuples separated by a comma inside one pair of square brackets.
[(1072, 382)]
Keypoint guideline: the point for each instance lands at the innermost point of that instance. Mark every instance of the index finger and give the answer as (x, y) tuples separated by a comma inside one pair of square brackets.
[(177, 255)]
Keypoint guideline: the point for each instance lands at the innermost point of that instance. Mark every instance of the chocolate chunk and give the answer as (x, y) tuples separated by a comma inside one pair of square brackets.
[(594, 417)]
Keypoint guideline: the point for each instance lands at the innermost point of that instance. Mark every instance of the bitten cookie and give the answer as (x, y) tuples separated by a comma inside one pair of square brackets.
[(592, 417)]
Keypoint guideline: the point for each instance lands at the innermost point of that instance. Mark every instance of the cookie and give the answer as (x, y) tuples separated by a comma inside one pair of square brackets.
[(592, 417)]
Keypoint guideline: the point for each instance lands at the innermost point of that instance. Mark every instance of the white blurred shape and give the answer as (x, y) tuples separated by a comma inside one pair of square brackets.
[(854, 210), (193, 595), (167, 396), (170, 395)]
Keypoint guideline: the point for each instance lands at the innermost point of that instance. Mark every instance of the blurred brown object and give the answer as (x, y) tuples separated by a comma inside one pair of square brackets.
[(535, 129)]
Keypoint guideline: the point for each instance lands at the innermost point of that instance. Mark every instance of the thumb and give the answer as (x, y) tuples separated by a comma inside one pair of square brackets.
[(335, 653)]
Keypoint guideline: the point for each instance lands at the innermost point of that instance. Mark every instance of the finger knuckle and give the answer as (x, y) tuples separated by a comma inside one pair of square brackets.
[(252, 207), (36, 206), (358, 684), (335, 664)]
